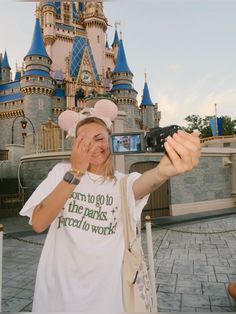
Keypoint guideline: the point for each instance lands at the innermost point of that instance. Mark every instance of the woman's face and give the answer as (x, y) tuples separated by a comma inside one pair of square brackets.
[(99, 142)]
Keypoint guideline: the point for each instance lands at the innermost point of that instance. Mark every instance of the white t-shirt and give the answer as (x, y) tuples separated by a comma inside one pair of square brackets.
[(80, 265)]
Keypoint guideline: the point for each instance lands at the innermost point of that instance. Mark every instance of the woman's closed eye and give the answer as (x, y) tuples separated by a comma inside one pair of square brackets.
[(99, 139)]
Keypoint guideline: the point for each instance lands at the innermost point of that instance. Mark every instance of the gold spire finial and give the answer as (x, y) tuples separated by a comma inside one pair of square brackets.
[(116, 24)]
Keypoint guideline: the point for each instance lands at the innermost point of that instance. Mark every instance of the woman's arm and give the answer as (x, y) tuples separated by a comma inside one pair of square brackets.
[(49, 208), (183, 153)]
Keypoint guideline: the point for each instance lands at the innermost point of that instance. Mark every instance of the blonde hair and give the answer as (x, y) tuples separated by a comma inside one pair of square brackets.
[(108, 169)]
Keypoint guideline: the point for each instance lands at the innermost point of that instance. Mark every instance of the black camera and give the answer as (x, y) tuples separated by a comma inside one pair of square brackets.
[(139, 142)]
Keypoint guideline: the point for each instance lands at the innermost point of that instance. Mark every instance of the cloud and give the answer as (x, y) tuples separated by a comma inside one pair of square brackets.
[(175, 67), (225, 100)]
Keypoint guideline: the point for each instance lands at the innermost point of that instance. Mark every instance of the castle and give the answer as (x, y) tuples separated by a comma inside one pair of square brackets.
[(68, 66)]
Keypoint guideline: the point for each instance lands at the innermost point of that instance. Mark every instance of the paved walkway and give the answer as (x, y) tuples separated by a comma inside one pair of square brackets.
[(194, 262)]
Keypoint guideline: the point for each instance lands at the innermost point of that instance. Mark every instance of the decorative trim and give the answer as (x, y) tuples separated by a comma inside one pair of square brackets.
[(197, 207), (11, 114), (57, 110), (37, 90), (64, 38)]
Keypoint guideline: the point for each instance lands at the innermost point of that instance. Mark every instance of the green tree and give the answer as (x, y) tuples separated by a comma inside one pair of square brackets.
[(229, 126), (195, 122), (203, 125)]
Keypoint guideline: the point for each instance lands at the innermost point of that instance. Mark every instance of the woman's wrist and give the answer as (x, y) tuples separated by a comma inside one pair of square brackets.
[(77, 172), (161, 176)]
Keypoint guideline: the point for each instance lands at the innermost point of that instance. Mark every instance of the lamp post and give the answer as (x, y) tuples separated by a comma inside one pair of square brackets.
[(23, 123)]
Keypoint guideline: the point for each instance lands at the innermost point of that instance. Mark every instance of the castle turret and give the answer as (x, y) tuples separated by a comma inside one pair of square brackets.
[(36, 83), (150, 116), (6, 69), (115, 44), (96, 25), (147, 108), (123, 88), (49, 26)]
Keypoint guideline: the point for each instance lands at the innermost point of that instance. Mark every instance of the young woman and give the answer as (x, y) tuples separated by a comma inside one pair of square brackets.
[(80, 265)]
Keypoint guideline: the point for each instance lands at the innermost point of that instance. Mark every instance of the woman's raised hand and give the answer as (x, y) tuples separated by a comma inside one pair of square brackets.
[(80, 152), (182, 154)]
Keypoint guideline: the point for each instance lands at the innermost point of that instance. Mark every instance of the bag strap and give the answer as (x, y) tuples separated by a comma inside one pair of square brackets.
[(128, 231)]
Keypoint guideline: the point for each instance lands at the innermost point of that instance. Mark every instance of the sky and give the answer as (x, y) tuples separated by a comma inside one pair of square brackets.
[(186, 47)]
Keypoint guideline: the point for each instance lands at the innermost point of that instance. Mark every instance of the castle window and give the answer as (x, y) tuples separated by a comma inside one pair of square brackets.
[(30, 58), (27, 78), (66, 19), (21, 101), (58, 99), (41, 78), (13, 103), (40, 58), (66, 7), (98, 39)]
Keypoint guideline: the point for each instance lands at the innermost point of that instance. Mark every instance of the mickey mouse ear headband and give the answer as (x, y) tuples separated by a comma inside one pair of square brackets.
[(104, 109)]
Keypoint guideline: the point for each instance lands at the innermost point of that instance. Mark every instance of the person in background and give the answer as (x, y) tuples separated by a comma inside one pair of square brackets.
[(81, 261), (125, 144)]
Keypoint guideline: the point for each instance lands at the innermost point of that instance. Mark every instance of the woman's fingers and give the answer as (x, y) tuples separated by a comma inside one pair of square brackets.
[(183, 150)]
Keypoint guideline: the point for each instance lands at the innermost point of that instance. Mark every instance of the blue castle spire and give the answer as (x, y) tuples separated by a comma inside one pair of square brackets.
[(5, 63), (146, 99), (37, 46), (121, 62), (116, 39)]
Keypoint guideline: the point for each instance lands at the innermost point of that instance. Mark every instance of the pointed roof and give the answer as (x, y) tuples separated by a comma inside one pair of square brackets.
[(121, 62), (81, 43), (37, 46), (116, 38), (146, 99), (17, 75), (5, 63)]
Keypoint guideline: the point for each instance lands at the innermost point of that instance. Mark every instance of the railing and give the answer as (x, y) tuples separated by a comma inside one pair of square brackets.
[(52, 140), (216, 138), (11, 201)]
